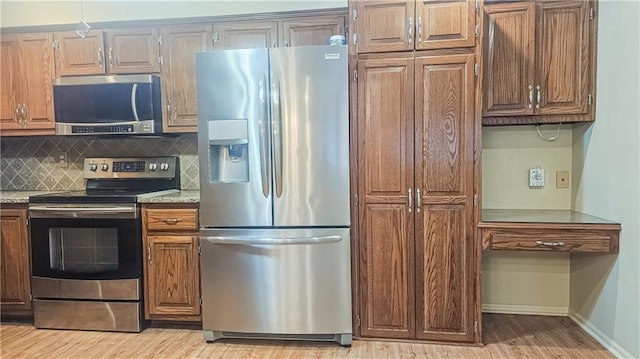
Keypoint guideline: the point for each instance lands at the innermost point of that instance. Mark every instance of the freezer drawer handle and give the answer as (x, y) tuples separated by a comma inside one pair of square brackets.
[(270, 240)]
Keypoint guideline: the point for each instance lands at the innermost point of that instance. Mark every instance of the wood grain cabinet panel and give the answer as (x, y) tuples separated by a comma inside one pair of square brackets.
[(392, 25), (416, 123), (132, 51), (78, 56), (179, 47), (539, 60), (27, 72), (315, 30), (15, 275), (172, 278), (245, 35), (171, 262)]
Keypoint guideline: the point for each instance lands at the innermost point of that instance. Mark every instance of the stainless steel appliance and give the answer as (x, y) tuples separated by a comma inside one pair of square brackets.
[(274, 193), (86, 246), (112, 105)]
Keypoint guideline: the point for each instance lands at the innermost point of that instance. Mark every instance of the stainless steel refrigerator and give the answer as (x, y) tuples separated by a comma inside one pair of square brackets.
[(273, 143)]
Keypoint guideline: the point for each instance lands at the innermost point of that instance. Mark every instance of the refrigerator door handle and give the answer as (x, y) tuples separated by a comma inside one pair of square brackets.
[(271, 240), (264, 139), (276, 124)]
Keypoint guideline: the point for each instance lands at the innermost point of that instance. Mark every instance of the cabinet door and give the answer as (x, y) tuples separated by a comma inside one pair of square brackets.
[(78, 56), (172, 276), (383, 26), (133, 51), (385, 147), (562, 57), (11, 84), (39, 71), (445, 24), (179, 48), (15, 276), (245, 35), (445, 121), (509, 35), (315, 30)]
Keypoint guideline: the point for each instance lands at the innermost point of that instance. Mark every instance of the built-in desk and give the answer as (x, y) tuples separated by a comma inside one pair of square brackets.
[(547, 230)]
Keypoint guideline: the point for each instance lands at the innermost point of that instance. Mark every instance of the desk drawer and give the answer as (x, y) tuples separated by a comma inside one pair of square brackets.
[(550, 240), (173, 219)]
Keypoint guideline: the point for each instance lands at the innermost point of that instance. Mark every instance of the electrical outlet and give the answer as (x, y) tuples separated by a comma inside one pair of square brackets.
[(62, 160), (562, 179), (536, 177)]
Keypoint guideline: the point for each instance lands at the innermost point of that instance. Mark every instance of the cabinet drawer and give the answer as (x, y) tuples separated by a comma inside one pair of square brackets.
[(174, 219), (551, 240)]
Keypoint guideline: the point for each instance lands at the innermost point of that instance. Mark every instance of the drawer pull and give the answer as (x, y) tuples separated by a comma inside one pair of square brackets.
[(172, 220), (550, 244)]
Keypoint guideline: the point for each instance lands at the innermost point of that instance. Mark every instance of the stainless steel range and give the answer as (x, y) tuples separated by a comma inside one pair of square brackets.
[(86, 246)]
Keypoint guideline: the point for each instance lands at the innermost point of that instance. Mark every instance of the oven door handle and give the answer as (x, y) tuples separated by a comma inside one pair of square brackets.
[(82, 212)]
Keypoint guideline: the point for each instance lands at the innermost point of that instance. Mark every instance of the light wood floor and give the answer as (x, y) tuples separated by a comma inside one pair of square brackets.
[(505, 336)]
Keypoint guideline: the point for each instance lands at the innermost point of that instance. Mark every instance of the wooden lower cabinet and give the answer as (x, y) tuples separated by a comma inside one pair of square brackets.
[(417, 249), (171, 262), (15, 276)]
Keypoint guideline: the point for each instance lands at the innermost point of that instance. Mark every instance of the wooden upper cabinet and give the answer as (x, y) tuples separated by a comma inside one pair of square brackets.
[(392, 25), (315, 30), (15, 275), (133, 50), (126, 51), (245, 35), (509, 32), (11, 83), (445, 24), (78, 56), (179, 47), (383, 26), (562, 57), (539, 60), (27, 93), (444, 142)]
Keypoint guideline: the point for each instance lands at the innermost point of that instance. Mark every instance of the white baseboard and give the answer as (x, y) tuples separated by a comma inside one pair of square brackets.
[(525, 309), (610, 344)]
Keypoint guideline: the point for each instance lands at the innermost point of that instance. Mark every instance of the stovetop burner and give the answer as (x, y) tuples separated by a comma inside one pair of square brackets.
[(120, 180)]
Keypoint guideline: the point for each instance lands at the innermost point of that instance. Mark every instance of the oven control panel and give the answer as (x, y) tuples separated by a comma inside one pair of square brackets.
[(147, 167)]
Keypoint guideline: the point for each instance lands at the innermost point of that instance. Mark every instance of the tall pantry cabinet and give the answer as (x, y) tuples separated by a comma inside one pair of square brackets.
[(415, 175)]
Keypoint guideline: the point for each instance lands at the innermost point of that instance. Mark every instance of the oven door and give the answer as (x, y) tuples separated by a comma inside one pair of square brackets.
[(87, 242)]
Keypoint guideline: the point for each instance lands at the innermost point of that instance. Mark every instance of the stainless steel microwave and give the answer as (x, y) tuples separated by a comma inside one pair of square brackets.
[(107, 105)]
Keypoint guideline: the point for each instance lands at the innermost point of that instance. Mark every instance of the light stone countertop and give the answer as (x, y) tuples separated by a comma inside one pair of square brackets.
[(171, 196), (20, 196)]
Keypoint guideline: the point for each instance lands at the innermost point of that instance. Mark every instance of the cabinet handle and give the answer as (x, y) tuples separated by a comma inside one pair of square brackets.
[(538, 96), (286, 43), (419, 29), (550, 244), (100, 57), (216, 37), (418, 200), (169, 109), (149, 259), (530, 96), (18, 118), (410, 30), (273, 44), (172, 221), (110, 57), (410, 200)]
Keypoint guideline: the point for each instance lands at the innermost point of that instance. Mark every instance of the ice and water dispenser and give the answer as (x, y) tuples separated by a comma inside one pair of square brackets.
[(228, 151)]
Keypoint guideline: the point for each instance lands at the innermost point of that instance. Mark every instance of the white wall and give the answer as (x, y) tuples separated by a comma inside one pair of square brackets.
[(31, 13), (605, 290), (524, 282)]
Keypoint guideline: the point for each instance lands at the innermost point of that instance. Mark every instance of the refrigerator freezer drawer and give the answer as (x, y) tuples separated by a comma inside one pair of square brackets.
[(276, 281)]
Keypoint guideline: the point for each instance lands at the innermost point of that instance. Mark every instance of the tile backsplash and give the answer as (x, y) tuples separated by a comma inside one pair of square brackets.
[(30, 163)]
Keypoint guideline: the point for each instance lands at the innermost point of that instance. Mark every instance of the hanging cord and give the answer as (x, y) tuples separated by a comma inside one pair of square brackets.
[(552, 138)]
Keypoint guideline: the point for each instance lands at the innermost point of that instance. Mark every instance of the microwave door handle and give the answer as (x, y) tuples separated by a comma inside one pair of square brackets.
[(134, 105)]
